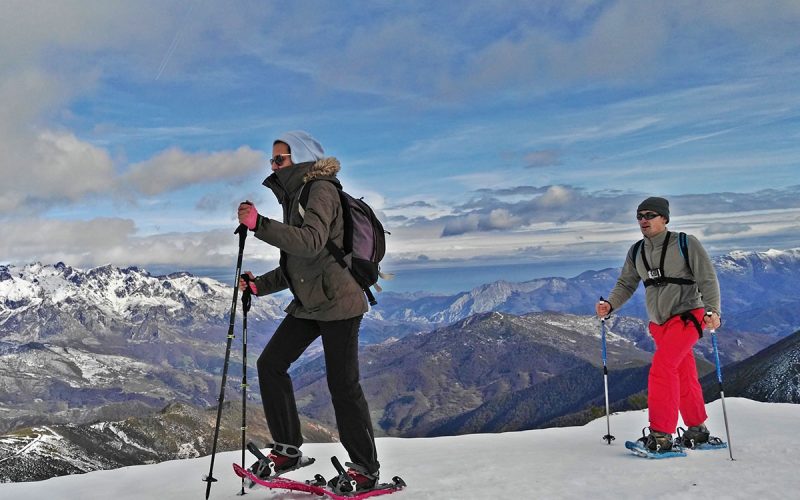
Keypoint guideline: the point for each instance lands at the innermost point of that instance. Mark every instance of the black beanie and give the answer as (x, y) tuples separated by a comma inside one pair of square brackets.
[(657, 205)]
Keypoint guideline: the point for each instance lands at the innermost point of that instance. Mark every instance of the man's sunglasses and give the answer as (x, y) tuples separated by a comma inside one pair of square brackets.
[(278, 160), (647, 216)]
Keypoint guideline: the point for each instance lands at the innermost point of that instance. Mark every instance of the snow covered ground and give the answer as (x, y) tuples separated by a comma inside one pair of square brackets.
[(569, 462)]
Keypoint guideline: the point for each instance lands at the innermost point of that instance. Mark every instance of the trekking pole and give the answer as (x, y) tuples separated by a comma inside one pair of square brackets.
[(721, 390), (246, 300), (608, 437), (242, 232)]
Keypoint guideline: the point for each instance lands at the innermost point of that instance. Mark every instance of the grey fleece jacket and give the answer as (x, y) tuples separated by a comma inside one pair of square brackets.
[(323, 290), (672, 299)]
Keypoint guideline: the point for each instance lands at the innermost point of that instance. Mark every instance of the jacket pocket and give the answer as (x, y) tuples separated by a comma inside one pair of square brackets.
[(312, 292)]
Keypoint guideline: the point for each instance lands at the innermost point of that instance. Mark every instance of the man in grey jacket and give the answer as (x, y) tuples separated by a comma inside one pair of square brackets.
[(679, 291), (327, 302)]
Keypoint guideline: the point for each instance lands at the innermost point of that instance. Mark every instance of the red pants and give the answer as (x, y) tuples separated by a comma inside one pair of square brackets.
[(673, 385)]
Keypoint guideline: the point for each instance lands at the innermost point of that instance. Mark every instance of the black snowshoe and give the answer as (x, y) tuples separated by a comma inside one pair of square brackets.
[(698, 436), (277, 462), (657, 442)]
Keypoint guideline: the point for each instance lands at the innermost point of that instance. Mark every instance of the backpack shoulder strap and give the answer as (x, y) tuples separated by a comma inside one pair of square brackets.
[(303, 202), (635, 250), (337, 252), (684, 249), (304, 194)]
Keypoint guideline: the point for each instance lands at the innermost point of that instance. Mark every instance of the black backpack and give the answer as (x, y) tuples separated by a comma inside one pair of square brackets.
[(364, 240)]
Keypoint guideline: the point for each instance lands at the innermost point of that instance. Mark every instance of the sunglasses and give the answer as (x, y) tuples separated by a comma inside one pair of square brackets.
[(278, 160), (647, 216)]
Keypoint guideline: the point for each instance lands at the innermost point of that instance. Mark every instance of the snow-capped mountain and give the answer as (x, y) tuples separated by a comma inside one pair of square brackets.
[(39, 302), (78, 346), (108, 343), (759, 295)]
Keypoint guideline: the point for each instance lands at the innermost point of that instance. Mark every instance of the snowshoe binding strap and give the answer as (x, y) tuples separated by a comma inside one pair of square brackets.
[(361, 470), (286, 450), (342, 483), (288, 457), (693, 439)]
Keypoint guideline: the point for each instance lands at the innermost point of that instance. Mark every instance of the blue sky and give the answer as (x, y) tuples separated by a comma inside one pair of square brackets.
[(483, 132)]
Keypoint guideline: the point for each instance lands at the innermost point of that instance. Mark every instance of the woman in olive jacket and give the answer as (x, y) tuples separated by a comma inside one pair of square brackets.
[(327, 302)]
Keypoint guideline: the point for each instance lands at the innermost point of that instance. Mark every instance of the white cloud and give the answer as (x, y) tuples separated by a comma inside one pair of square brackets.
[(49, 241), (132, 37), (500, 218), (461, 225), (55, 167), (115, 241), (111, 240), (555, 196), (72, 167), (52, 53), (499, 57), (726, 228), (38, 164), (608, 128), (174, 169)]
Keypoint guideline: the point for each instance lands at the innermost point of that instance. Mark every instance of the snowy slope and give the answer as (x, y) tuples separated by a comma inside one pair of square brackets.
[(553, 463)]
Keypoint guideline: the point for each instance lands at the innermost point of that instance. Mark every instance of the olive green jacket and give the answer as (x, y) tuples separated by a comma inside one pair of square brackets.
[(664, 302), (323, 290)]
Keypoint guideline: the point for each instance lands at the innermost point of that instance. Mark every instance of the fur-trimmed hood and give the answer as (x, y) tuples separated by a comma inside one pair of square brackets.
[(326, 167)]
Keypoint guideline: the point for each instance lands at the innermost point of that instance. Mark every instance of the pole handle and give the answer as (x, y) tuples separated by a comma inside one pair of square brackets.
[(247, 295), (242, 230), (604, 301)]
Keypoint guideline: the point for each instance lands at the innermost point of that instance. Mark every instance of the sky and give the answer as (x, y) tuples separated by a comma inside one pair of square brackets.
[(483, 133), (566, 462)]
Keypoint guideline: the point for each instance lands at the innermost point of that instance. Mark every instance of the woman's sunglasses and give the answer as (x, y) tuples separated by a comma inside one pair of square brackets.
[(278, 160)]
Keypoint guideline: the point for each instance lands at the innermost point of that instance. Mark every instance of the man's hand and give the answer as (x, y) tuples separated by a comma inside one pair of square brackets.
[(712, 320), (602, 308)]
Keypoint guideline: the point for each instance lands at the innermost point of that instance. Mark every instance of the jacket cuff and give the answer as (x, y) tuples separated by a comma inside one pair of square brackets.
[(260, 221)]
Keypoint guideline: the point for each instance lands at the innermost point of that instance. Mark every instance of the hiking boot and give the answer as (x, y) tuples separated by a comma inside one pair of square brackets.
[(274, 465), (656, 441), (695, 435), (358, 476)]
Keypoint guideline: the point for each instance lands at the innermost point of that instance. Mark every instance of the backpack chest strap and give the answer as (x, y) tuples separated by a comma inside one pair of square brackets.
[(655, 277)]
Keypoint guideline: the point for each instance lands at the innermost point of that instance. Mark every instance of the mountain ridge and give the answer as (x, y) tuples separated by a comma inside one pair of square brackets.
[(750, 281), (771, 375)]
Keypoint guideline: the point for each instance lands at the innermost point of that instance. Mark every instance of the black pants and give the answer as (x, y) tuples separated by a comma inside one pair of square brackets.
[(340, 343)]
